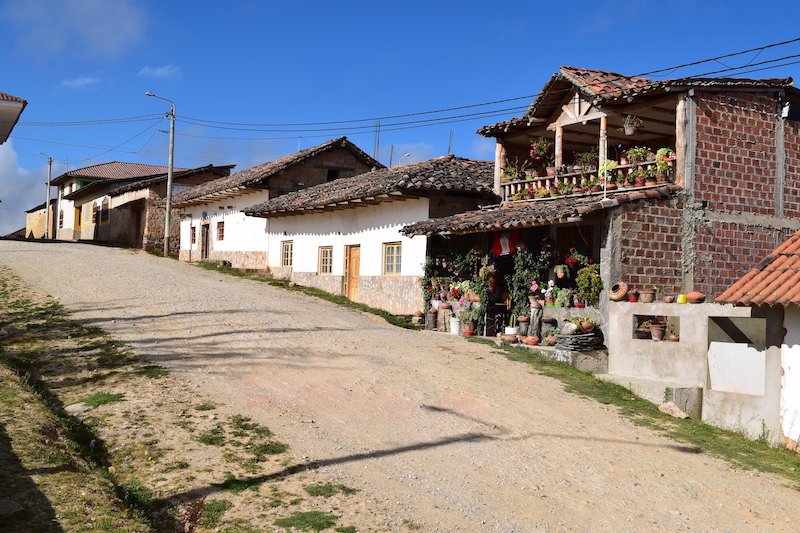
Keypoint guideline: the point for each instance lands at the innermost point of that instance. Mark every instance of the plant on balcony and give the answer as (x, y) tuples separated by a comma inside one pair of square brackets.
[(514, 171), (638, 176), (650, 176), (542, 192), (587, 160), (564, 188), (632, 125), (637, 154), (542, 150), (664, 158)]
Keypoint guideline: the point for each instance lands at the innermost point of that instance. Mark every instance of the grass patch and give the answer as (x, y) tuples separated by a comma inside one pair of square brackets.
[(136, 495), (152, 372), (326, 490), (205, 407), (260, 451), (308, 521), (213, 437), (101, 398), (213, 511), (338, 299), (235, 485), (346, 529), (738, 450)]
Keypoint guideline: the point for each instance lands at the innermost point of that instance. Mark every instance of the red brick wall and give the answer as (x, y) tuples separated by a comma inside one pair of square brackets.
[(726, 251), (791, 190), (651, 246), (735, 167)]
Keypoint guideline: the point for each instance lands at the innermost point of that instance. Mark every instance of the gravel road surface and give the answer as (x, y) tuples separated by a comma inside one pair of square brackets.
[(434, 429)]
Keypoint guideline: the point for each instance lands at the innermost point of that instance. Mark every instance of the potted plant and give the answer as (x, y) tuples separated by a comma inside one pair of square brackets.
[(643, 331), (549, 294), (633, 295), (650, 176), (632, 125), (564, 298), (664, 159), (647, 296), (587, 160), (469, 314), (577, 302), (606, 171), (637, 154), (590, 284), (512, 328), (561, 271), (587, 324), (657, 328), (564, 188)]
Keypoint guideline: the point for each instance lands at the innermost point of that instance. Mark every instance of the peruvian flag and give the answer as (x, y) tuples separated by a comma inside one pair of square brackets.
[(504, 243)]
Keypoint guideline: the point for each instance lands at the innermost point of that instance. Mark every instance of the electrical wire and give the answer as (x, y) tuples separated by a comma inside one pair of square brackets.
[(96, 122)]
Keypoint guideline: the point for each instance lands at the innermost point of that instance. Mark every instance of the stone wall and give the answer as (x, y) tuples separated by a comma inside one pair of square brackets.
[(153, 238), (400, 295), (315, 171), (250, 260), (326, 282)]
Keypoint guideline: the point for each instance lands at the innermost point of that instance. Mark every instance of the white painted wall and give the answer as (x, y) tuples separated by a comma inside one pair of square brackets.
[(242, 233), (790, 386), (369, 227)]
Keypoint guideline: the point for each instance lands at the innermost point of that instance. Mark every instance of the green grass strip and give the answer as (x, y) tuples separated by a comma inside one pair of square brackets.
[(338, 299), (731, 446)]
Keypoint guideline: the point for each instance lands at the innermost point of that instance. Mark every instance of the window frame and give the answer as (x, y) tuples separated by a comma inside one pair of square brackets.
[(220, 230), (396, 263), (287, 253), (321, 260), (193, 235), (61, 219)]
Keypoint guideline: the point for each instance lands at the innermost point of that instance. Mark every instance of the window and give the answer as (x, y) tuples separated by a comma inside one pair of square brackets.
[(61, 219), (391, 258), (220, 231), (193, 233), (286, 253), (333, 173), (325, 264), (104, 211)]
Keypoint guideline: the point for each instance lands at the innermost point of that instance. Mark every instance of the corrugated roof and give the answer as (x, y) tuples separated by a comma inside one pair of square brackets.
[(114, 170), (530, 213), (448, 173), (256, 175), (614, 88), (775, 281)]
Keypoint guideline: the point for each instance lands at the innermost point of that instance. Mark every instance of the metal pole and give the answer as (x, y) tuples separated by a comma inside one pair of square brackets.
[(169, 179), (47, 203)]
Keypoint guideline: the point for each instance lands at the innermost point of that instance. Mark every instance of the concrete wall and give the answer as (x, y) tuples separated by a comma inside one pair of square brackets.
[(368, 227), (790, 394)]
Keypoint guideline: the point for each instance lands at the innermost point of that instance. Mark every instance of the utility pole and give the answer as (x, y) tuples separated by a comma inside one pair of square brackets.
[(47, 202), (170, 167)]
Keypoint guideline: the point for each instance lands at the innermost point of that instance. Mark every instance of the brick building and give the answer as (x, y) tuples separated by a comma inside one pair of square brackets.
[(732, 196)]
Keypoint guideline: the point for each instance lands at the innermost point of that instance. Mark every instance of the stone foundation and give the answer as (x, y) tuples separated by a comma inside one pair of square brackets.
[(400, 295), (326, 282)]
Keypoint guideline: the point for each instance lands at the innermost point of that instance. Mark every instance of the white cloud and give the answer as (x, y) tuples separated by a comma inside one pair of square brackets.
[(170, 72), (482, 148), (80, 83), (20, 188), (83, 28)]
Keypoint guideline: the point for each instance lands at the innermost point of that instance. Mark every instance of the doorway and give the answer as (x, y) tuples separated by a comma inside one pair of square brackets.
[(204, 244), (352, 267)]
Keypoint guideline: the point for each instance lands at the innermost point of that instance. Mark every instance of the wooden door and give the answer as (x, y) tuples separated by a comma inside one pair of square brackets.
[(204, 245), (352, 267)]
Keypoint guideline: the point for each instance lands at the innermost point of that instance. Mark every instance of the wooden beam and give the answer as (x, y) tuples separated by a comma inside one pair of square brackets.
[(559, 146), (499, 163)]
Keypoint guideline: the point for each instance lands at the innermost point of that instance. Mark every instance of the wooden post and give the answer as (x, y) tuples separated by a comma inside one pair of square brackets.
[(559, 148), (602, 148), (499, 163), (685, 141)]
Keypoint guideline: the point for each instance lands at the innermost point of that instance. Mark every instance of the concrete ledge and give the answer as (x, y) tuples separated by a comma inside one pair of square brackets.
[(686, 395), (591, 361)]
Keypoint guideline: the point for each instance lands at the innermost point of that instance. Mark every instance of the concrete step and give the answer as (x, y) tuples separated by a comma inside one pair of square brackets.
[(686, 394)]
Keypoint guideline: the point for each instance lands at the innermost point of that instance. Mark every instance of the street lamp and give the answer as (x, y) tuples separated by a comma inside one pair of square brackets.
[(171, 115)]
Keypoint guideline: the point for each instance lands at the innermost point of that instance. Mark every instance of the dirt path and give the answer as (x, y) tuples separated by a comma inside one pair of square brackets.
[(438, 431)]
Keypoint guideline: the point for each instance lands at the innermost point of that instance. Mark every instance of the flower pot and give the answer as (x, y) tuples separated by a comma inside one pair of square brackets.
[(618, 292), (445, 305), (647, 297), (551, 171), (611, 186), (669, 299), (681, 299), (695, 297), (531, 340), (550, 302), (511, 330), (523, 327), (508, 338), (623, 160), (650, 182), (657, 332), (633, 298), (468, 328), (661, 178), (674, 338), (638, 182), (455, 326), (587, 326), (630, 129)]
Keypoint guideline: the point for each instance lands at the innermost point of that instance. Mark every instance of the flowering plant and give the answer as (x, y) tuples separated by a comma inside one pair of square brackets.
[(575, 259), (542, 149), (534, 286)]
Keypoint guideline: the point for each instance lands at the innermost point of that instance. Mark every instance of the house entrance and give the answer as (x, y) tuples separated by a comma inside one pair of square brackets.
[(352, 267), (204, 245)]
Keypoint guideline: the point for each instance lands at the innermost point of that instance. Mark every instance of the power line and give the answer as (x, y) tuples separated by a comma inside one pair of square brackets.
[(96, 122), (126, 141)]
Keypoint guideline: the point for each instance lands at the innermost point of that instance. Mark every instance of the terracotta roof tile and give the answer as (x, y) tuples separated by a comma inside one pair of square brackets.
[(775, 281), (115, 170), (11, 98), (256, 175), (448, 173), (530, 213)]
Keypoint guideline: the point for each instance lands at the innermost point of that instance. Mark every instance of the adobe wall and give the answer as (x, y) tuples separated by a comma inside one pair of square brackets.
[(315, 171)]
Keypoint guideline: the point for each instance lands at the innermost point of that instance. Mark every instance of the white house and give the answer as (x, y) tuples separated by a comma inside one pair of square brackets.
[(344, 237), (213, 224)]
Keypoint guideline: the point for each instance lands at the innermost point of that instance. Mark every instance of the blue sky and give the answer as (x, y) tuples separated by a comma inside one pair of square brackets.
[(298, 62)]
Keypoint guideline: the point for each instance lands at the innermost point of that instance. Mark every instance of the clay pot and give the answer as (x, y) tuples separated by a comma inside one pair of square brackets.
[(695, 297), (674, 338), (647, 296), (531, 340), (508, 338), (587, 326), (550, 301), (633, 298), (611, 186), (657, 331), (669, 299), (649, 182), (419, 314), (618, 292), (468, 328), (445, 305), (623, 160), (629, 129)]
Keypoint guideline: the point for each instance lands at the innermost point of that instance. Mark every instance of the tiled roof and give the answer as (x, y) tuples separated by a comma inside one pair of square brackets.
[(11, 98), (530, 213), (775, 281), (448, 173), (615, 88), (257, 174), (220, 170), (114, 170)]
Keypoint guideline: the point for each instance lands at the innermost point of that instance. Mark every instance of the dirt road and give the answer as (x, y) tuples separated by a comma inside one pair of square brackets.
[(438, 431)]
